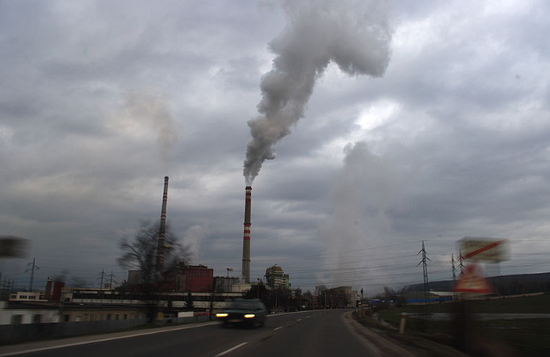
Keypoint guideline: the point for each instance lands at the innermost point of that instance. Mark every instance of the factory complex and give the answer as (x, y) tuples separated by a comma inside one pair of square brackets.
[(166, 293)]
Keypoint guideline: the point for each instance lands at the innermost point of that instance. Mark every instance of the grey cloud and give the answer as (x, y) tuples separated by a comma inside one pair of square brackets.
[(464, 150)]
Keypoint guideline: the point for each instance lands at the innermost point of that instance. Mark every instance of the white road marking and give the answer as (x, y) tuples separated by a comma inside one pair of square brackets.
[(299, 320), (230, 350), (278, 328)]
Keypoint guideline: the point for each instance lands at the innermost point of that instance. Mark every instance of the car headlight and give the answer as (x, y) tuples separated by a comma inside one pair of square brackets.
[(249, 316), (222, 314)]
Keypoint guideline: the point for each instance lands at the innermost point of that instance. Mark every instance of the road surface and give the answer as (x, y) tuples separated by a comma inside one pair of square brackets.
[(306, 334)]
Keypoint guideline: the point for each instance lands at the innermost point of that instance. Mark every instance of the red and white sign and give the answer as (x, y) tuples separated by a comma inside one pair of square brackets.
[(484, 249), (473, 281)]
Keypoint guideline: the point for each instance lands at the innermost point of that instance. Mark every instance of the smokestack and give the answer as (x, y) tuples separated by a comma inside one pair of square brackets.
[(162, 230), (246, 238), (48, 291)]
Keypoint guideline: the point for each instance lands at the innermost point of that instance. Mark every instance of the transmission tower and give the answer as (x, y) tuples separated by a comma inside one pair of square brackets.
[(453, 266), (461, 263), (424, 263), (101, 277), (32, 269)]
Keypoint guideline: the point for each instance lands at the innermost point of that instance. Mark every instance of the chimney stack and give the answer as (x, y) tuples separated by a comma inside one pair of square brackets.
[(162, 230), (246, 238), (48, 292)]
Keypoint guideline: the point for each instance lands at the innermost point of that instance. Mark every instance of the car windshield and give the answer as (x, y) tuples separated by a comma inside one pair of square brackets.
[(245, 305)]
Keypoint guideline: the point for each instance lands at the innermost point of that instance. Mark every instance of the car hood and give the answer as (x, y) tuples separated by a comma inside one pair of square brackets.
[(240, 311)]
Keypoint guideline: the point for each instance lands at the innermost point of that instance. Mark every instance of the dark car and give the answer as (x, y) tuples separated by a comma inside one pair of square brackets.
[(250, 312)]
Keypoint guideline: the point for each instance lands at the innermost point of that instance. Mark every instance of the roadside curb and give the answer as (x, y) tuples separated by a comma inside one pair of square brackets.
[(382, 346)]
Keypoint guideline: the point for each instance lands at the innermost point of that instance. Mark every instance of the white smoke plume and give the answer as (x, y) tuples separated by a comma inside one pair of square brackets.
[(367, 189), (153, 111), (193, 238), (354, 34)]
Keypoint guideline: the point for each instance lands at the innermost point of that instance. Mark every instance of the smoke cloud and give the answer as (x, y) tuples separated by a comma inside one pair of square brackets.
[(354, 34), (193, 238), (153, 111), (366, 190)]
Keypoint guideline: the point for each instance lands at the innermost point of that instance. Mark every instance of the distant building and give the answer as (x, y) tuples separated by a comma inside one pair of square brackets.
[(52, 293), (134, 277), (195, 278), (28, 296), (182, 278), (276, 277), (226, 284), (189, 278), (341, 296)]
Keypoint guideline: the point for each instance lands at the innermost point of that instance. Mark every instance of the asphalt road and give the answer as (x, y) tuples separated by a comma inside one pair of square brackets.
[(313, 333)]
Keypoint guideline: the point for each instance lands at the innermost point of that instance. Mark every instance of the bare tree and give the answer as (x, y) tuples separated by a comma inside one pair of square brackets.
[(139, 252)]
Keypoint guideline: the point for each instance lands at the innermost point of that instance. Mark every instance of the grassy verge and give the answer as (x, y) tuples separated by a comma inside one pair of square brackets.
[(530, 336)]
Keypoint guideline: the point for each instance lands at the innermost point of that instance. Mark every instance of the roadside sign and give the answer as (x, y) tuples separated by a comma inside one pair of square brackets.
[(484, 249), (473, 281), (13, 247)]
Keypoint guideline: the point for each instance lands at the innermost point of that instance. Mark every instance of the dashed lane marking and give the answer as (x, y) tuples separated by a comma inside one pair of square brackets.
[(230, 350)]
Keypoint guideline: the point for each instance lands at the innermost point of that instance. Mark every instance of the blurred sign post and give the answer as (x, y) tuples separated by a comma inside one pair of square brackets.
[(474, 250), (13, 247), (473, 281), (479, 249), (491, 250)]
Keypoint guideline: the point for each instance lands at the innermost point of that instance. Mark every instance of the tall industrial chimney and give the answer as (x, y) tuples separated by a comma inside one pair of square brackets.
[(162, 230), (246, 238)]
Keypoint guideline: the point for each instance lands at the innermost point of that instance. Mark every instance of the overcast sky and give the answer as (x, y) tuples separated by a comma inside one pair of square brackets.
[(435, 127)]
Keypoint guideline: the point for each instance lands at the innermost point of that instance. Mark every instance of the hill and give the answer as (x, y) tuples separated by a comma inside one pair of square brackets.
[(504, 284)]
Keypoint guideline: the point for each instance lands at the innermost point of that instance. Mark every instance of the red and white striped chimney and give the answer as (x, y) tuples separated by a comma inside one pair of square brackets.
[(246, 237)]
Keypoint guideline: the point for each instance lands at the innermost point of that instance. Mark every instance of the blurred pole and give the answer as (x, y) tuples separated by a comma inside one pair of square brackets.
[(33, 268), (403, 322)]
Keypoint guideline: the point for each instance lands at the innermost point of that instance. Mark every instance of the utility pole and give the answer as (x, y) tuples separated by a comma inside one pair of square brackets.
[(33, 268), (276, 301), (3, 290), (424, 263), (111, 281)]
